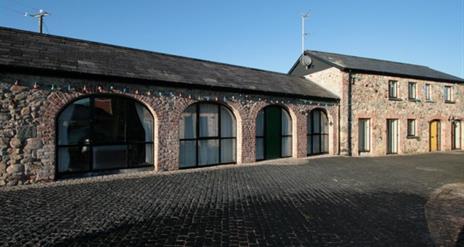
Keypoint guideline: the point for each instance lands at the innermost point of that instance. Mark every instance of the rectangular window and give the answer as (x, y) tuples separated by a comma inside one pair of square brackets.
[(393, 89), (448, 94), (411, 127), (428, 92), (412, 90), (364, 135)]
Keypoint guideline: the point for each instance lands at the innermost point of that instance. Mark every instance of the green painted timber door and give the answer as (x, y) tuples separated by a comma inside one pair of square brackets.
[(272, 133)]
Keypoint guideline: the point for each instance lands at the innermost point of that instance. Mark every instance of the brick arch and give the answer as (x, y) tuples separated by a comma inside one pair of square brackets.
[(58, 101), (293, 117), (331, 122), (233, 107)]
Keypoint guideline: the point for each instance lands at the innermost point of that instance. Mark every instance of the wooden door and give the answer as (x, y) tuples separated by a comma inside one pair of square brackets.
[(434, 136)]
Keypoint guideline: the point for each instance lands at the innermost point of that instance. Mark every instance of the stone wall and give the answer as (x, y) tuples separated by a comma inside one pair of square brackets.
[(28, 113), (336, 82), (371, 100)]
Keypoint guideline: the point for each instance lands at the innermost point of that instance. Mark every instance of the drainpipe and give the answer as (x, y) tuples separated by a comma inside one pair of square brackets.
[(339, 129), (350, 80)]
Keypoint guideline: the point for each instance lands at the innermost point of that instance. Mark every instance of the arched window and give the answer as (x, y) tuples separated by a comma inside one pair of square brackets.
[(104, 132), (317, 132), (273, 133), (207, 136)]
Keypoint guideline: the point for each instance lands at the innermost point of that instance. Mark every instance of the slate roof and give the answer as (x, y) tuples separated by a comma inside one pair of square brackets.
[(369, 65), (28, 50)]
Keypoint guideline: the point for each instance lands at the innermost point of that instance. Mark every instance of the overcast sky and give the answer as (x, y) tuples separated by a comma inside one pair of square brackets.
[(263, 34)]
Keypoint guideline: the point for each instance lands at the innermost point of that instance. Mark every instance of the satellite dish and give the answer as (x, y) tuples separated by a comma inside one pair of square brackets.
[(306, 61)]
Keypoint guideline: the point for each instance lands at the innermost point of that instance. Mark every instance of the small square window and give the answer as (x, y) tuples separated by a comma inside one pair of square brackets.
[(411, 127), (393, 89), (412, 90)]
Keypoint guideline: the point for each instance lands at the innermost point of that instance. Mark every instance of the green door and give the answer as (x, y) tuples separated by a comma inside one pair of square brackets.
[(272, 132)]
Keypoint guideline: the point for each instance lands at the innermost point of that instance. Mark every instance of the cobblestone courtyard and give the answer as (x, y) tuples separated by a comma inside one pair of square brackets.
[(335, 201)]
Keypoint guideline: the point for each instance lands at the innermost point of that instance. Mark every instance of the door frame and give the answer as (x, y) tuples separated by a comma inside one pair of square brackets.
[(438, 148), (453, 135), (397, 135), (265, 126)]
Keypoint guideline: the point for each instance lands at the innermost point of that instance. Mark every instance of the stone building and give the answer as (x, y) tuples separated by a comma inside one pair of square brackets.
[(73, 108), (389, 107)]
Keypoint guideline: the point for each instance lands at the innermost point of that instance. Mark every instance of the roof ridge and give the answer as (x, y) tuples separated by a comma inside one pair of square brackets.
[(140, 50), (377, 59)]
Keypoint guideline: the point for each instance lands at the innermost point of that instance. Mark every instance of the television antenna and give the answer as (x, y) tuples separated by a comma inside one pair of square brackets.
[(39, 15), (303, 33)]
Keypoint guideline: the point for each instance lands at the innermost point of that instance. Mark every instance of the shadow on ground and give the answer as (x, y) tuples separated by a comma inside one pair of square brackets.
[(331, 203)]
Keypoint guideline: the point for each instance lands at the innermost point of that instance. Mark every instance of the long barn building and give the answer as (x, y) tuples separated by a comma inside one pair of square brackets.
[(72, 108)]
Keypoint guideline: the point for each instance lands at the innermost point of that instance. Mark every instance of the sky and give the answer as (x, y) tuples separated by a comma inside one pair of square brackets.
[(264, 34)]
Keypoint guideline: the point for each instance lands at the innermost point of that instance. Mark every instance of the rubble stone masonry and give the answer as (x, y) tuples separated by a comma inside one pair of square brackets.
[(370, 99), (28, 114)]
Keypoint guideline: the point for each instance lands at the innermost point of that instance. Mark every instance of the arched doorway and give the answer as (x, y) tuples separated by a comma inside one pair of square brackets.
[(317, 132), (273, 133), (104, 132), (456, 135), (434, 134), (207, 136)]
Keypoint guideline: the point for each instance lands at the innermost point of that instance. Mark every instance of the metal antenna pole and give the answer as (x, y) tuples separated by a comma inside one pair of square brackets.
[(303, 34), (40, 17)]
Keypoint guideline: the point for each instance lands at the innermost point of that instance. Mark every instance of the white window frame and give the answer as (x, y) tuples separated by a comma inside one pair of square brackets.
[(448, 95), (412, 132), (367, 135), (412, 94), (394, 84), (428, 92)]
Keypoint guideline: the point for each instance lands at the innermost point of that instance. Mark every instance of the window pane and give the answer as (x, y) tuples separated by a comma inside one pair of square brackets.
[(316, 121), (324, 123), (227, 123), (286, 146), (325, 144), (259, 148), (110, 120), (140, 154), (392, 89), (208, 152), (187, 156), (109, 157), (228, 150), (188, 123), (316, 148), (73, 159), (286, 123), (139, 123), (260, 124), (74, 123), (208, 120)]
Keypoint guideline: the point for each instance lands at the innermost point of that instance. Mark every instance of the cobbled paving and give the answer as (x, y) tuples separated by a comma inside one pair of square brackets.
[(335, 201)]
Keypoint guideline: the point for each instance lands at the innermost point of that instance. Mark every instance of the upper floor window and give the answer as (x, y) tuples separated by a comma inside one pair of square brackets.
[(448, 94), (393, 89), (412, 90), (428, 92)]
